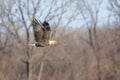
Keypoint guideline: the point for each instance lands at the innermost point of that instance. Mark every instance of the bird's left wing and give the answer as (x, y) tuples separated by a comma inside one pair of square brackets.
[(38, 30)]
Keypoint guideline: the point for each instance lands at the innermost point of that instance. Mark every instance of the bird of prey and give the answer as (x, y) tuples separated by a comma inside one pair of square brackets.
[(42, 34)]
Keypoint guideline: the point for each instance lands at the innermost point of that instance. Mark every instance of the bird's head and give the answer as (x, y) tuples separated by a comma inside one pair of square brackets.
[(53, 42)]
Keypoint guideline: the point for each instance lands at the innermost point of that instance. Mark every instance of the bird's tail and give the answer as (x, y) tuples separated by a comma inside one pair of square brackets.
[(32, 45)]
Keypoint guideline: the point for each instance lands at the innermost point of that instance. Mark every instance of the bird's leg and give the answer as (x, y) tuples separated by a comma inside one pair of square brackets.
[(42, 43)]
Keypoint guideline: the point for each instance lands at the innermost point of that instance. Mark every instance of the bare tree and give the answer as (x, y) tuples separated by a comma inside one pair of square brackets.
[(91, 21), (3, 41), (16, 17)]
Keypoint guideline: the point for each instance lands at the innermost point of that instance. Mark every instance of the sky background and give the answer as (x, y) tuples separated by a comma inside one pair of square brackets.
[(102, 16)]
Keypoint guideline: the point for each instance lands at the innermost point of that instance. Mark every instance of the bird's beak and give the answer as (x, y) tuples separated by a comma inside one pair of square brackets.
[(53, 42)]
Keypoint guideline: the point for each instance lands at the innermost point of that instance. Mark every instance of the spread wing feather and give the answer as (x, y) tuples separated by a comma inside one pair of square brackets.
[(38, 30), (41, 34)]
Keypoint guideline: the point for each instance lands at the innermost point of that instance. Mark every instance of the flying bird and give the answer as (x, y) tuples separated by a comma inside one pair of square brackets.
[(42, 33)]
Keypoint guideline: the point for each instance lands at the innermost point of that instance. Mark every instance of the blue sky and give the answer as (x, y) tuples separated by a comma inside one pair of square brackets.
[(103, 13), (102, 19), (102, 16)]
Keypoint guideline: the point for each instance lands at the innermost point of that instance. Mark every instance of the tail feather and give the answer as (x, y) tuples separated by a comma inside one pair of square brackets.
[(32, 45)]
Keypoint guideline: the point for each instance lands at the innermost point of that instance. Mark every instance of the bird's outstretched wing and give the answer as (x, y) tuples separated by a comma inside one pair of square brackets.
[(41, 33)]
